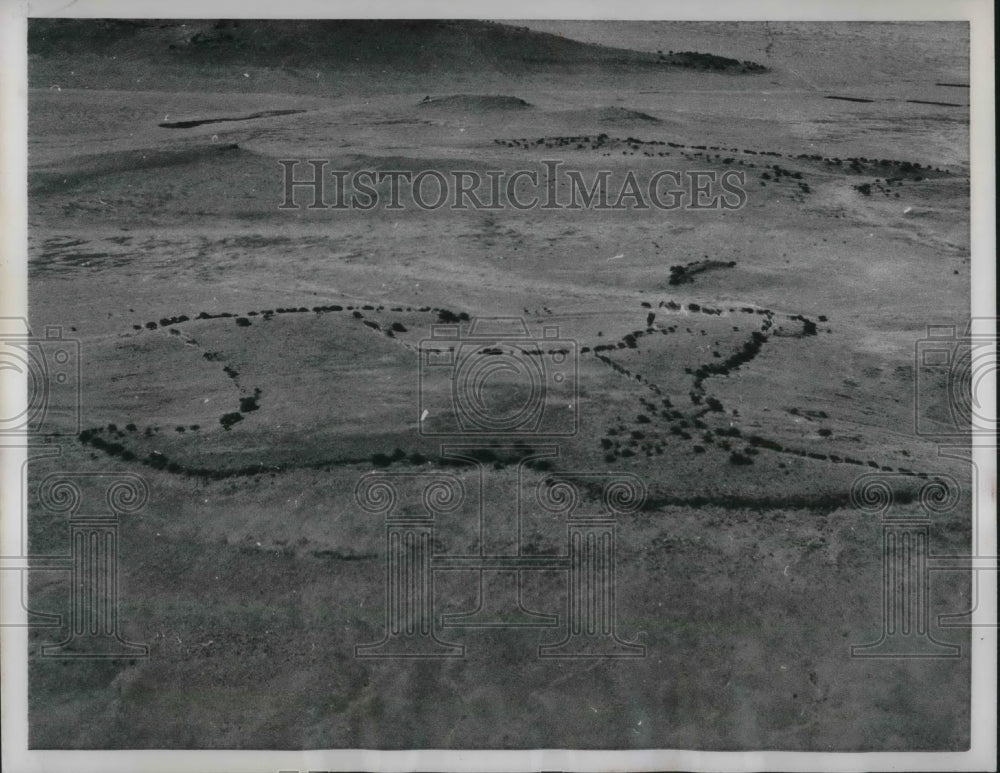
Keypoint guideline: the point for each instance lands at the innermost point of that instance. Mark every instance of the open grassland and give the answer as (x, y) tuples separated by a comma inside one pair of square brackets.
[(253, 363)]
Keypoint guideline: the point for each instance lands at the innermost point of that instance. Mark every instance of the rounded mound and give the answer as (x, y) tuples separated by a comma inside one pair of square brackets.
[(478, 103), (611, 114), (622, 114)]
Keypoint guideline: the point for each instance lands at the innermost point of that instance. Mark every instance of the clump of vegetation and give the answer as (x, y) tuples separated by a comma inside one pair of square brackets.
[(740, 459), (699, 61), (248, 404), (227, 420), (714, 404), (686, 273), (450, 317)]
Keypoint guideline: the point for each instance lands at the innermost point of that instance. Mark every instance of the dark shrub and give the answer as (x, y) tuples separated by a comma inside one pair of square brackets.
[(227, 420)]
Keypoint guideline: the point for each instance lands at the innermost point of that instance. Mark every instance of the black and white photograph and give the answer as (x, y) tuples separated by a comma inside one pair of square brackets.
[(541, 386)]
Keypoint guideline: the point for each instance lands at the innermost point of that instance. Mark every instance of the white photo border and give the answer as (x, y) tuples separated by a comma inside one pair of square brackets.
[(13, 303)]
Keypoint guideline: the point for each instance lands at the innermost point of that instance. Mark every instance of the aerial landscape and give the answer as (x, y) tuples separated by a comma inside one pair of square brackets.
[(501, 460)]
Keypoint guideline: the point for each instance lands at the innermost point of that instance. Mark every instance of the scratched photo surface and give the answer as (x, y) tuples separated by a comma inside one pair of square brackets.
[(467, 384)]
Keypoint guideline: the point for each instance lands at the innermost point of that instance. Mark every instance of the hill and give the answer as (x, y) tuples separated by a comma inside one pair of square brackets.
[(397, 45)]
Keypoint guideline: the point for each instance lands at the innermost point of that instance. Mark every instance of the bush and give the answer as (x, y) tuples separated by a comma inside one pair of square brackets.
[(227, 420)]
